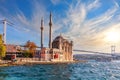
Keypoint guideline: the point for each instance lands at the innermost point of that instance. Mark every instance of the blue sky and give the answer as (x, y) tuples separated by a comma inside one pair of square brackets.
[(86, 22)]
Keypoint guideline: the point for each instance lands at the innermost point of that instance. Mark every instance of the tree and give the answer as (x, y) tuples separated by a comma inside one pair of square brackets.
[(2, 48), (31, 48), (27, 53)]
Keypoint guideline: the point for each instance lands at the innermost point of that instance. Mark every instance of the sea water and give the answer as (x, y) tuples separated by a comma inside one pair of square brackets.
[(74, 71)]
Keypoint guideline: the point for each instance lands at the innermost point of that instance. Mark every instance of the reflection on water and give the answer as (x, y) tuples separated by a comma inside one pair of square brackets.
[(79, 71)]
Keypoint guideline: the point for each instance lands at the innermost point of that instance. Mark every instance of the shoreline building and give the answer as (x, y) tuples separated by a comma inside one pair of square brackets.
[(60, 49)]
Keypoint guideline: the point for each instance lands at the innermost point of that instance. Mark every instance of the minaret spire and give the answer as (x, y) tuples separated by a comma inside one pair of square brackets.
[(50, 31), (41, 33)]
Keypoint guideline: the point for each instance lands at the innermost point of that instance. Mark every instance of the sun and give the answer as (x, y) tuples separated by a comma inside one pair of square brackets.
[(112, 36)]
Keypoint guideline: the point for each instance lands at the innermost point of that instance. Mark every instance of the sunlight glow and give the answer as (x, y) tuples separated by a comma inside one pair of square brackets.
[(112, 36)]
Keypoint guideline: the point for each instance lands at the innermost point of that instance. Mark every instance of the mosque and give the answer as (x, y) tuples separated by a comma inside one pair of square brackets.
[(60, 49)]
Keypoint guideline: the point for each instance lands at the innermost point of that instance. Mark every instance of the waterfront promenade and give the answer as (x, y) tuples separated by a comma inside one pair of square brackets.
[(33, 61)]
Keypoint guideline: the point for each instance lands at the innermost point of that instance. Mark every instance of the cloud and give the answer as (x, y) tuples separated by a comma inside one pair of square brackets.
[(89, 33), (94, 5), (29, 25), (75, 25), (75, 17), (55, 2)]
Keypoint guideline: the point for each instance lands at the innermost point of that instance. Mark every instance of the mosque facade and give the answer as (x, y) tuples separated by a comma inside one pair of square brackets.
[(60, 49)]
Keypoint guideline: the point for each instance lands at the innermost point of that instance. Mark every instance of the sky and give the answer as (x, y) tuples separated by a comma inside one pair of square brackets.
[(91, 24)]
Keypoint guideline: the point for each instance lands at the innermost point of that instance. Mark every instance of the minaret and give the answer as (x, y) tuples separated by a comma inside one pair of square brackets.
[(41, 33), (4, 33), (50, 32)]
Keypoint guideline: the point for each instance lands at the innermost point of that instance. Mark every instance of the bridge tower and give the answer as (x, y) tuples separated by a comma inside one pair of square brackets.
[(113, 49)]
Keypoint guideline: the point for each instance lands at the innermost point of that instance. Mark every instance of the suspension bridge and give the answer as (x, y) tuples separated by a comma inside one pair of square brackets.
[(97, 52), (90, 51)]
